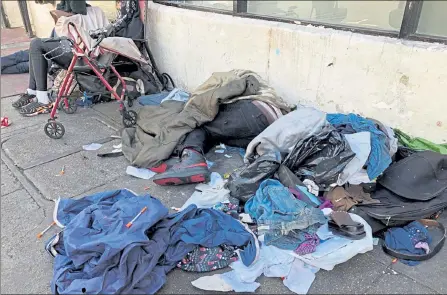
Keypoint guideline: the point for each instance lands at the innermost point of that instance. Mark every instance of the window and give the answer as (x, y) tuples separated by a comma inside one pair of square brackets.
[(385, 15), (224, 5), (433, 19), (406, 19)]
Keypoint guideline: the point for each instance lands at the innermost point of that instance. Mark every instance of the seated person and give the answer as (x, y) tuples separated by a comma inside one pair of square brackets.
[(36, 99), (236, 125)]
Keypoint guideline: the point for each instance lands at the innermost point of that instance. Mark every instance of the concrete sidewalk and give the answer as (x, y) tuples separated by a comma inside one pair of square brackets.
[(31, 162)]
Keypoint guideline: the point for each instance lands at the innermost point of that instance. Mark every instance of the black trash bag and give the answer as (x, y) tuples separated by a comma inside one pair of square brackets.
[(244, 182), (321, 157)]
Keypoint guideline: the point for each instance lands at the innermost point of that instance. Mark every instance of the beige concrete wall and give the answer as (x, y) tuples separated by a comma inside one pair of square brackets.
[(40, 17), (401, 83), (12, 11)]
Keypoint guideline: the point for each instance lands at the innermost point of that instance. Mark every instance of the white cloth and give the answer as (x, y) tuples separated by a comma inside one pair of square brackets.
[(311, 186), (360, 144), (272, 262), (210, 194), (123, 46), (284, 133), (338, 250), (93, 20)]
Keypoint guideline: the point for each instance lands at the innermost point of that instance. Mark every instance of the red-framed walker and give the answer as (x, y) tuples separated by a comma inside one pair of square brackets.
[(55, 129)]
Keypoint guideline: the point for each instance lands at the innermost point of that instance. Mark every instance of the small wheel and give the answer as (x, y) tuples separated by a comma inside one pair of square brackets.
[(129, 102), (129, 118), (72, 106), (54, 130)]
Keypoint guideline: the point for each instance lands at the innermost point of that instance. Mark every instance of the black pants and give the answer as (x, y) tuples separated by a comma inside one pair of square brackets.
[(38, 65), (235, 125)]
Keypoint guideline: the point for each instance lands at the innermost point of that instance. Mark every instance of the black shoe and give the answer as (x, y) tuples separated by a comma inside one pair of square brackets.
[(23, 100), (192, 168), (36, 108)]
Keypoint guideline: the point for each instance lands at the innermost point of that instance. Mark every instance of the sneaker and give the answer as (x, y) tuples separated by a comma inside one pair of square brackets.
[(36, 108), (191, 168), (23, 100), (165, 165)]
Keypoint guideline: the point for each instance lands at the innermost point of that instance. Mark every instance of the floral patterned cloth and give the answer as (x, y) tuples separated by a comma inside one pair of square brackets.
[(204, 259)]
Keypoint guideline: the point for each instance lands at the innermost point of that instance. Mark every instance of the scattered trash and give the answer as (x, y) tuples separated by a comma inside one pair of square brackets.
[(219, 151), (128, 225), (394, 260), (221, 146), (62, 172), (142, 173), (232, 149), (228, 156), (210, 194), (209, 164), (244, 217), (39, 235), (375, 241), (5, 122), (92, 147), (226, 175)]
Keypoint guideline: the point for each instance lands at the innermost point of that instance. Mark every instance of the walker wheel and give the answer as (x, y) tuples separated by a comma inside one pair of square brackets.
[(72, 106), (54, 130), (129, 118)]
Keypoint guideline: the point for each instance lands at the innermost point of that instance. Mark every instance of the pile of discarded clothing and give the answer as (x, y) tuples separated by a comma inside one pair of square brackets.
[(312, 192)]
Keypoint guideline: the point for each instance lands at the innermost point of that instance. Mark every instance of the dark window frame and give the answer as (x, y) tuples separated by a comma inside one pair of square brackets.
[(407, 31)]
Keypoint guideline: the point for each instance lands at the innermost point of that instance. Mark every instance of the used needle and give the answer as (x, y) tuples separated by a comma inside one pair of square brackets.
[(39, 235), (135, 218)]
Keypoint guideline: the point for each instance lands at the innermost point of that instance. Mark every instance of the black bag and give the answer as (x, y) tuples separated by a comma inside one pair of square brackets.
[(411, 189), (320, 157), (244, 183)]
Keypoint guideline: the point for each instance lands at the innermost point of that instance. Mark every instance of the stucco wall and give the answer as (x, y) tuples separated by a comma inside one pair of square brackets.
[(402, 83)]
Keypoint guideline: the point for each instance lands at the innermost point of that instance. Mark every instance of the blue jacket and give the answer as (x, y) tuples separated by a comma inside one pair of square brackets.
[(97, 253)]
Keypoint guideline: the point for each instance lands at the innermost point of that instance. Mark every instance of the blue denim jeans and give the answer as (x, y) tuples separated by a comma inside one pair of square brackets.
[(281, 217)]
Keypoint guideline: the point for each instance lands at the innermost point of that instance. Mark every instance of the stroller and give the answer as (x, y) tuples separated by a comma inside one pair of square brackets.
[(91, 66)]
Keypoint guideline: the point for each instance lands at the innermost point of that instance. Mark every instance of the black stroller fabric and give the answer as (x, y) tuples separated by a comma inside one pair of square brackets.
[(411, 189), (321, 157)]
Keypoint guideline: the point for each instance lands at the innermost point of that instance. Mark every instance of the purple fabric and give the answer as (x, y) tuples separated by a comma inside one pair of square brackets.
[(309, 245), (300, 196), (326, 204)]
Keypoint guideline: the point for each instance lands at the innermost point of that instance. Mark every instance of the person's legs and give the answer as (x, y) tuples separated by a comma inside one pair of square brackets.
[(236, 124), (14, 59), (19, 68), (30, 94), (191, 167), (38, 73)]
